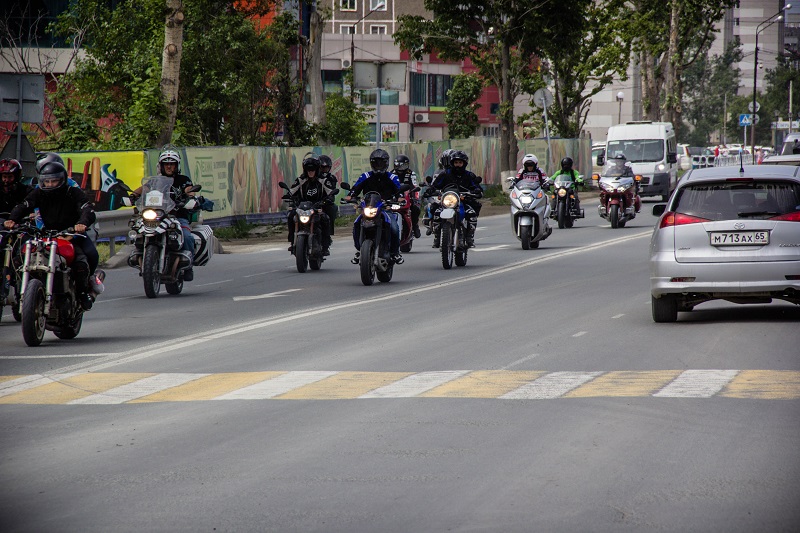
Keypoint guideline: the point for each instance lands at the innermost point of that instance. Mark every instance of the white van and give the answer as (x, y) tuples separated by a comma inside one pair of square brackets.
[(651, 148)]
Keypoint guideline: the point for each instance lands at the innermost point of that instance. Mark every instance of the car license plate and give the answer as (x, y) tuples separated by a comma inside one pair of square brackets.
[(739, 238)]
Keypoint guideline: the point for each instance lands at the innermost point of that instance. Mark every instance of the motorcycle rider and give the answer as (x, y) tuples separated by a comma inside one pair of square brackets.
[(572, 175), (310, 186), (331, 209), (62, 206), (465, 179), (12, 191), (169, 165), (530, 170), (618, 166), (430, 203), (387, 184), (409, 177)]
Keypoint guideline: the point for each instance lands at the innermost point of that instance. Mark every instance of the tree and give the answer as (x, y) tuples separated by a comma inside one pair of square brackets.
[(171, 66), (461, 113), (346, 122)]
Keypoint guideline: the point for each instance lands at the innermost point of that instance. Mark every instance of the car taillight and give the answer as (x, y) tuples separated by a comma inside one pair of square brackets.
[(788, 217), (678, 219)]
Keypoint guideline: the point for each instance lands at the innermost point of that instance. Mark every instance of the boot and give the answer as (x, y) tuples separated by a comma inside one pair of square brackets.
[(417, 233), (356, 258)]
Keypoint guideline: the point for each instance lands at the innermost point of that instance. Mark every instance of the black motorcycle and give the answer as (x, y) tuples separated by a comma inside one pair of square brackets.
[(566, 207), (307, 246), (11, 250)]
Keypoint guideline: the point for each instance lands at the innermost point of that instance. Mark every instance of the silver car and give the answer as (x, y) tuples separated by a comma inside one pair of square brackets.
[(727, 233)]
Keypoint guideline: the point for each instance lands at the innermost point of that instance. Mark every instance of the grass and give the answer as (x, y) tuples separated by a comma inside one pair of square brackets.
[(239, 230), (496, 195)]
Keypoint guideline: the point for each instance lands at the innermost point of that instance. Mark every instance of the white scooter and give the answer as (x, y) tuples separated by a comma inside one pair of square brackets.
[(530, 212)]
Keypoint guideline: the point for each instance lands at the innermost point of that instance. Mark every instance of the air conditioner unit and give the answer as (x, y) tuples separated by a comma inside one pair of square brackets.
[(421, 118), (345, 64)]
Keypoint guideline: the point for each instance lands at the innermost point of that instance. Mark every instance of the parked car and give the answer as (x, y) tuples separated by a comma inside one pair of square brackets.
[(789, 143), (793, 160), (727, 235)]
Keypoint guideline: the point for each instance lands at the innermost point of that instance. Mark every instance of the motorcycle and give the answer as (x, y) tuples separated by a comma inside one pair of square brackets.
[(308, 243), (48, 292), (530, 212), (158, 239), (403, 208), (450, 225), (373, 226), (11, 263), (619, 198), (566, 207)]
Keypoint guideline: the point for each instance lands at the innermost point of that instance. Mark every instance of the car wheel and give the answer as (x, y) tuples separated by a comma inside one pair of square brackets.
[(665, 309)]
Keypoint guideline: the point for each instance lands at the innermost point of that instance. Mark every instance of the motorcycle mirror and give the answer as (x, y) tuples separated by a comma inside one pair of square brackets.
[(596, 177), (405, 187), (282, 185), (478, 179), (196, 188), (659, 209), (344, 185), (428, 180)]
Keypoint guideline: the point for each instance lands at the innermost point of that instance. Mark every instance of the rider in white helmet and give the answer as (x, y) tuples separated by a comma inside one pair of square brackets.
[(530, 170)]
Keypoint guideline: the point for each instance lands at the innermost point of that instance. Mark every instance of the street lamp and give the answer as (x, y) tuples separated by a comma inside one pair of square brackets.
[(620, 98), (769, 22)]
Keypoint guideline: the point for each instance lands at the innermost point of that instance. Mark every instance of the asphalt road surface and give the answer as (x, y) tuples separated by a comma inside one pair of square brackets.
[(527, 391)]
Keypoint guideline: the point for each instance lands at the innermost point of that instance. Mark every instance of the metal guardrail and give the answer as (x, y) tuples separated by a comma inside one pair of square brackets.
[(731, 160)]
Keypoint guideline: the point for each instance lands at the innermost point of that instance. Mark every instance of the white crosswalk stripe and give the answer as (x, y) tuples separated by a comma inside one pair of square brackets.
[(415, 384), (697, 384), (137, 389), (550, 386), (276, 386)]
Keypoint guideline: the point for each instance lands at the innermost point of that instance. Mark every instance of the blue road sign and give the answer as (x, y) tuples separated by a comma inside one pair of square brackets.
[(745, 119)]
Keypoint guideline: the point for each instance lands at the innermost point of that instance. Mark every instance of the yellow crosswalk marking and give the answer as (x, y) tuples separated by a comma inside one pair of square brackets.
[(208, 387), (72, 388), (483, 384), (343, 385), (620, 384), (764, 385), (8, 378)]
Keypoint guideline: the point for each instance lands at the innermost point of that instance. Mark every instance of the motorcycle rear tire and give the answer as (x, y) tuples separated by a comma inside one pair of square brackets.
[(315, 263), (175, 288), (461, 257), (71, 331), (613, 215), (525, 236), (151, 270), (15, 309), (301, 252), (446, 244), (367, 262), (385, 276), (33, 317), (405, 248), (562, 215)]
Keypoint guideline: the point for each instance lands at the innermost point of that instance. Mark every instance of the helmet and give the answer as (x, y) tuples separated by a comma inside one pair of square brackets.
[(52, 177), (401, 162), (621, 157), (379, 160), (48, 157), (169, 156), (530, 159), (311, 162), (11, 166), (444, 159), (325, 161), (460, 156), (566, 163)]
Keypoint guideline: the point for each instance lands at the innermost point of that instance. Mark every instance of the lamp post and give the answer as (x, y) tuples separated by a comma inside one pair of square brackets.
[(769, 22), (620, 98)]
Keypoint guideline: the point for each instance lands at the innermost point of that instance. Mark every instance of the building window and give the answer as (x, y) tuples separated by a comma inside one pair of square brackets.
[(419, 89), (332, 81), (347, 30), (377, 5), (347, 5), (377, 29), (438, 85), (387, 98), (494, 109)]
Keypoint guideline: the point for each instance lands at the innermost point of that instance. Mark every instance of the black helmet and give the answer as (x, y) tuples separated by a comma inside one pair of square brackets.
[(11, 166), (459, 155), (52, 177), (48, 157), (325, 161), (401, 162), (566, 164), (379, 160), (621, 157), (311, 162)]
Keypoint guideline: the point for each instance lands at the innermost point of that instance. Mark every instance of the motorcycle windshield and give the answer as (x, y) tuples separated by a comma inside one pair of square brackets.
[(156, 194), (527, 184), (373, 199), (563, 181)]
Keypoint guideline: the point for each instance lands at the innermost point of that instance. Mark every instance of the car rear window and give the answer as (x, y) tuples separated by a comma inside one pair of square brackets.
[(731, 199)]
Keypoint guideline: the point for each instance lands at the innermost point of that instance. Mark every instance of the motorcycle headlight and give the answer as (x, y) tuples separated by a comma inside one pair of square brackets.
[(450, 200), (526, 199), (562, 192), (149, 214), (304, 219), (623, 188), (370, 212)]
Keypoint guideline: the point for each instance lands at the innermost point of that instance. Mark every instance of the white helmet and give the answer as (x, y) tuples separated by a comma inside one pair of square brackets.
[(530, 158), (169, 156)]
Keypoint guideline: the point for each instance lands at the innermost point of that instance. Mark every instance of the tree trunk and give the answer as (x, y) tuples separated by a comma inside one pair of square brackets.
[(171, 66), (671, 68), (314, 70), (508, 142), (650, 87)]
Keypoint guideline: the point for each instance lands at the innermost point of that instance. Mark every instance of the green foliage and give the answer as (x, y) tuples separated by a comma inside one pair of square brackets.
[(238, 230), (461, 113), (496, 195), (776, 97), (346, 122)]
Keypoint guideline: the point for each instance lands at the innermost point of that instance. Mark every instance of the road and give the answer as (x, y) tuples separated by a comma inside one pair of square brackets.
[(528, 391)]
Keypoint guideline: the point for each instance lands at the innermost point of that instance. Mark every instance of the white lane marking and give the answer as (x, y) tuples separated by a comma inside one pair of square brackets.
[(58, 356), (519, 361), (143, 352), (490, 248), (260, 296), (276, 386), (697, 384), (550, 386), (262, 273), (137, 389), (214, 283), (415, 384), (619, 315), (29, 382), (580, 333), (103, 300)]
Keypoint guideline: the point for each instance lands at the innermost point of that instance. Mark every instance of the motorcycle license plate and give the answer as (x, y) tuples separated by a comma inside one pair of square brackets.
[(739, 238)]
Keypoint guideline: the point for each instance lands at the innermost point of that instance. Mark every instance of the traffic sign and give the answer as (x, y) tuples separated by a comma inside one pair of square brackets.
[(744, 119), (750, 108)]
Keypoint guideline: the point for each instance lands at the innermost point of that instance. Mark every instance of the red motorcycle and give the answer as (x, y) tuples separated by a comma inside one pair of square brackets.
[(403, 208), (619, 198)]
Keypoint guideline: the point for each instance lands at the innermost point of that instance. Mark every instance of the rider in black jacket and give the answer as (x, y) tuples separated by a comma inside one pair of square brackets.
[(331, 209), (61, 207), (311, 187), (12, 191), (409, 177), (466, 180)]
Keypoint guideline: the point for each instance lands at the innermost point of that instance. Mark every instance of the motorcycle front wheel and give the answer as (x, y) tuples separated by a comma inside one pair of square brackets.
[(525, 236), (301, 252), (367, 262), (446, 244), (33, 317), (613, 215), (562, 215), (151, 270)]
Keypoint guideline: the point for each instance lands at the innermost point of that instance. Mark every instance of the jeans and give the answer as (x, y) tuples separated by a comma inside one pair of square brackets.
[(188, 238)]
